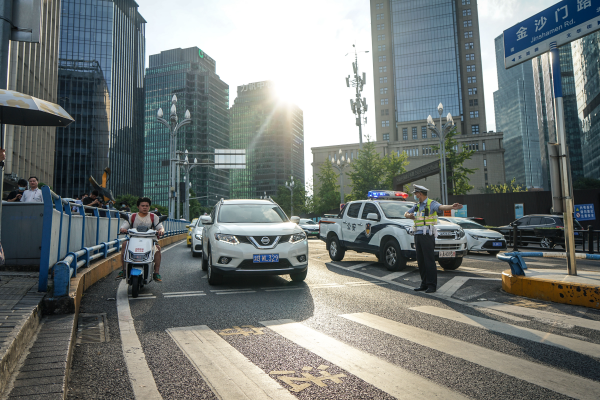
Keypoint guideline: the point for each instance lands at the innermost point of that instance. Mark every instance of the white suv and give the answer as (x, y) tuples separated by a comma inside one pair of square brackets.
[(252, 237)]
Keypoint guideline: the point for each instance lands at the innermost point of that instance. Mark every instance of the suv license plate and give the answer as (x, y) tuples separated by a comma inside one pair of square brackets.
[(447, 254), (265, 258), (497, 244)]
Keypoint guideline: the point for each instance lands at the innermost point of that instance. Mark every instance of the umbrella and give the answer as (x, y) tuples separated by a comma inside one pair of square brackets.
[(21, 109)]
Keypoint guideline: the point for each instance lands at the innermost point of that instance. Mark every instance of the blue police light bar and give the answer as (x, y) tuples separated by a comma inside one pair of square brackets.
[(387, 195)]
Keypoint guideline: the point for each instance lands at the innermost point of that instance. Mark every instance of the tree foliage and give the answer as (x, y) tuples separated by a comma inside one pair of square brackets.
[(586, 183), (504, 188), (367, 171), (392, 166), (284, 199), (460, 174), (327, 196)]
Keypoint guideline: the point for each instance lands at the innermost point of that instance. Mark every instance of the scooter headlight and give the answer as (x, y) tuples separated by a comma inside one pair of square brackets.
[(139, 256), (230, 239)]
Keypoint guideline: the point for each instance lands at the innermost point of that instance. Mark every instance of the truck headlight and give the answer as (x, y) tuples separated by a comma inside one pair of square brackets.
[(298, 237), (230, 239), (460, 234)]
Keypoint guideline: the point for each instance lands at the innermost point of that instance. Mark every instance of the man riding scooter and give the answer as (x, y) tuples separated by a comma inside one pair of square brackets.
[(151, 221)]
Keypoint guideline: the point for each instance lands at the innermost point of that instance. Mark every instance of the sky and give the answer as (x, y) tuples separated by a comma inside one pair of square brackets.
[(303, 47)]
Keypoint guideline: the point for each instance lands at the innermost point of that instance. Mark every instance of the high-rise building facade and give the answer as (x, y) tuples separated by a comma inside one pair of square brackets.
[(33, 70), (191, 75), (425, 53), (272, 132), (515, 110), (544, 97), (586, 61), (101, 84)]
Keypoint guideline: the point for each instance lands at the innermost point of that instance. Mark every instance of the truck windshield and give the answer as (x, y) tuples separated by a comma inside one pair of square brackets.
[(394, 209), (251, 214)]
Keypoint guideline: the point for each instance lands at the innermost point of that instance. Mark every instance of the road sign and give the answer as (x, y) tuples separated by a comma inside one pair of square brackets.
[(585, 212), (561, 23), (462, 213), (519, 210)]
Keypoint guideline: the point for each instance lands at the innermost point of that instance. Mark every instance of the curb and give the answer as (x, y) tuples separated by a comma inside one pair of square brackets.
[(551, 290)]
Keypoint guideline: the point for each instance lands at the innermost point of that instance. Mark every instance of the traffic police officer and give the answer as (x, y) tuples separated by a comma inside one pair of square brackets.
[(425, 234)]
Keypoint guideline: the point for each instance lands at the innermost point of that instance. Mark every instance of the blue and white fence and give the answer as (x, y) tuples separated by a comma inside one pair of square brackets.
[(518, 265), (73, 239)]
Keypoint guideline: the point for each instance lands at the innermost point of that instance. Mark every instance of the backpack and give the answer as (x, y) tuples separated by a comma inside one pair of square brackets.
[(151, 218)]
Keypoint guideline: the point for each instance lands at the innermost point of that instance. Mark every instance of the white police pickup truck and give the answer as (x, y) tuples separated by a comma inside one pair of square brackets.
[(379, 227)]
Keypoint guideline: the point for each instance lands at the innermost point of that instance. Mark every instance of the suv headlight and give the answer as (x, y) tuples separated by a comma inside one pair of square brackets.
[(198, 236), (231, 239), (298, 237), (460, 234)]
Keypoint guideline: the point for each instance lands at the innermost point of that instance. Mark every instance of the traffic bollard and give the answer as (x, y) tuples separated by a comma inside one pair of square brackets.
[(590, 239), (515, 238)]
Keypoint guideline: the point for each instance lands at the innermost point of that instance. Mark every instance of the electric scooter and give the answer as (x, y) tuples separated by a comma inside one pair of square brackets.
[(139, 257)]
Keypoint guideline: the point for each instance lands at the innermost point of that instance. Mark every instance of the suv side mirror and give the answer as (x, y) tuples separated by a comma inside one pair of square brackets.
[(372, 217), (206, 220), (295, 220)]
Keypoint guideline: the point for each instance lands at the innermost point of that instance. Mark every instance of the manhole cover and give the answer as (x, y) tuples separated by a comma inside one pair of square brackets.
[(92, 328)]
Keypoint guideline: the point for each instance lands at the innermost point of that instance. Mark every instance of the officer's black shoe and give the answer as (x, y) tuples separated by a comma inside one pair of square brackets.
[(430, 290), (420, 289)]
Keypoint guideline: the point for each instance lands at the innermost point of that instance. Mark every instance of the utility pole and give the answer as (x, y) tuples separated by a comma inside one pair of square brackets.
[(358, 104), (290, 185)]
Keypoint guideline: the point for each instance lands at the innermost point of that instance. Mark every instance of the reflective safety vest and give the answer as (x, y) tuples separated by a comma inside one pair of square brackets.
[(422, 220)]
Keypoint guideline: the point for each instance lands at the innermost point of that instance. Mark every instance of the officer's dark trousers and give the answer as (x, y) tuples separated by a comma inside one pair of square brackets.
[(425, 245)]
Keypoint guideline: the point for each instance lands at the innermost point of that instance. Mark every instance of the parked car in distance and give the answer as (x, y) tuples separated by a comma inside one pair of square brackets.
[(311, 228), (196, 234), (529, 224), (190, 228), (479, 238), (479, 220)]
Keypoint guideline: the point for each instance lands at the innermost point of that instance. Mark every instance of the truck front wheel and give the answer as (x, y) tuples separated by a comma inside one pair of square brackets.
[(391, 256), (336, 251), (451, 264)]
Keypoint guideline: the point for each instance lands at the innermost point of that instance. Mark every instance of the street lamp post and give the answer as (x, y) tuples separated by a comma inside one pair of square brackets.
[(188, 167), (441, 133), (173, 126), (291, 185), (341, 165), (359, 105)]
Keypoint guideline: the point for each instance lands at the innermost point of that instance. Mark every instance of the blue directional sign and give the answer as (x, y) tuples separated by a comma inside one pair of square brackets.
[(562, 23), (585, 212)]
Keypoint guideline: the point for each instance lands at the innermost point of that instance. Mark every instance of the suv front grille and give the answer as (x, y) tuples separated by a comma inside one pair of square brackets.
[(452, 246), (250, 264), (246, 240)]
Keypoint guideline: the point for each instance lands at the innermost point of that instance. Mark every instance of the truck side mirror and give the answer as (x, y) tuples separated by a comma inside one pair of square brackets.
[(372, 217), (295, 220)]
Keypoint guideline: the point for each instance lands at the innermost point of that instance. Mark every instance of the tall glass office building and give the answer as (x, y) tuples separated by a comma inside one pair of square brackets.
[(515, 109), (586, 59), (425, 53), (272, 132), (191, 75), (101, 84), (544, 97)]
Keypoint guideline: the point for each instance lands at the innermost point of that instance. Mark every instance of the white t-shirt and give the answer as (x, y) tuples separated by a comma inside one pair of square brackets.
[(32, 196), (143, 221)]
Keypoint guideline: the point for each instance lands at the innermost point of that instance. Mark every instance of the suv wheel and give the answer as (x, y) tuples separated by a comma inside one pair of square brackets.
[(214, 278), (451, 264), (547, 243), (336, 252), (391, 257), (299, 277), (204, 261)]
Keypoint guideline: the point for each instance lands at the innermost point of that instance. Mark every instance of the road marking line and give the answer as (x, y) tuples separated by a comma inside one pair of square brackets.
[(142, 298), (395, 275), (578, 346), (170, 247), (530, 312), (366, 284), (229, 374), (191, 291), (385, 376), (450, 287), (228, 290), (244, 291), (284, 290), (184, 295), (352, 268), (503, 315), (537, 374), (142, 381)]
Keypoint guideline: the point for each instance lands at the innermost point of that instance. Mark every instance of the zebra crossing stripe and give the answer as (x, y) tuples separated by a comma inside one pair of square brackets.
[(230, 375), (558, 381), (579, 346), (385, 376)]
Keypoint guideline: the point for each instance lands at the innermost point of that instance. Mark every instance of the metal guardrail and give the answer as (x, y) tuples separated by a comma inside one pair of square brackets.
[(587, 239), (518, 265), (73, 239)]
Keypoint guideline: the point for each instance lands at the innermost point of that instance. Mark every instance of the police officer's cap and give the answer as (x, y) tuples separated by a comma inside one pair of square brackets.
[(419, 188)]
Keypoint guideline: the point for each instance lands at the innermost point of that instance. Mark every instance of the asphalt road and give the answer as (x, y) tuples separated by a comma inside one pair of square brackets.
[(350, 331)]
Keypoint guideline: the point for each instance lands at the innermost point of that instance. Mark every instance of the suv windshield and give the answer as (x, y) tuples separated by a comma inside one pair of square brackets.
[(394, 209), (251, 214)]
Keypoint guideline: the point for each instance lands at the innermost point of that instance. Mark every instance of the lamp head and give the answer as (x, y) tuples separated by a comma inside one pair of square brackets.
[(173, 109), (449, 119), (186, 151), (340, 151), (430, 120), (440, 109), (195, 161), (187, 114), (174, 99), (159, 114), (338, 162)]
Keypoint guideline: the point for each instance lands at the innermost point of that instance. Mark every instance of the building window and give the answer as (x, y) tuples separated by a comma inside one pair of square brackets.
[(486, 178), (383, 80), (475, 131), (381, 48), (475, 102), (379, 16), (383, 90), (434, 135), (473, 147), (472, 91), (482, 143), (484, 162), (386, 136), (474, 114), (382, 69), (468, 45), (470, 103), (414, 133), (385, 123), (472, 79), (352, 154), (464, 2), (468, 34), (469, 57), (470, 68), (380, 38), (382, 58), (380, 27), (385, 112), (465, 24), (404, 133), (423, 132), (379, 6), (384, 102), (466, 12)]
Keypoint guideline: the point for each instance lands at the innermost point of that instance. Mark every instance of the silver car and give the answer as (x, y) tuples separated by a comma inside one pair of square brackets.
[(311, 228), (197, 238)]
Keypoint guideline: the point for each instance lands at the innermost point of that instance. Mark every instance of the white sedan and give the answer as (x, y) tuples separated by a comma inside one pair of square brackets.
[(479, 238), (196, 234)]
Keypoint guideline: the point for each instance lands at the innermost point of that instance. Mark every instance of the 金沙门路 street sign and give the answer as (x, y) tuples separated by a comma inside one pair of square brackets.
[(562, 23)]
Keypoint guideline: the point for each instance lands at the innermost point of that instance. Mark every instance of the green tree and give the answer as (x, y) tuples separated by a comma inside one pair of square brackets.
[(458, 174), (586, 183), (309, 198), (367, 171), (504, 188), (283, 198), (392, 165), (327, 197)]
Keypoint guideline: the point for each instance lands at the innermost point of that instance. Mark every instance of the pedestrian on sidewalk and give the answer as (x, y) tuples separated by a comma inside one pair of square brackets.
[(16, 195), (34, 194), (425, 233)]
